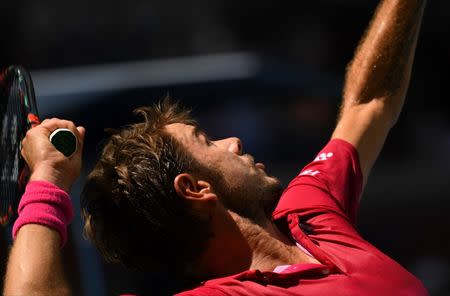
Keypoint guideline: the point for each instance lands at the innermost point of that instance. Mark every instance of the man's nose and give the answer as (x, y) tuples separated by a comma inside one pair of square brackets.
[(233, 145)]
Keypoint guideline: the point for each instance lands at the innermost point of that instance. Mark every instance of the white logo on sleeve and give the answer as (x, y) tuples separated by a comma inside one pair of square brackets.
[(324, 156), (309, 173), (321, 157)]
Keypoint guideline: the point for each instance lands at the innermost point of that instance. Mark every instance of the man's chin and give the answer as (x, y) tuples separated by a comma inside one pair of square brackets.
[(275, 181), (272, 198)]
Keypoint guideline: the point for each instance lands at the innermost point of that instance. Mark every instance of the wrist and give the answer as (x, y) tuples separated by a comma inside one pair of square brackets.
[(45, 204), (53, 176)]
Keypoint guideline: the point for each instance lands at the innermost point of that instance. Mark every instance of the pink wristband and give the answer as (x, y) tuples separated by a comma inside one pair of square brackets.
[(45, 204)]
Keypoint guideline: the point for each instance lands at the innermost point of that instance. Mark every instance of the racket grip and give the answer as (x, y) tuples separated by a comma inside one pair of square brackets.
[(64, 140)]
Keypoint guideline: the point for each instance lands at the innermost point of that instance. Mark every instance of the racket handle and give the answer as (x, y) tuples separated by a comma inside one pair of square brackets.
[(64, 140)]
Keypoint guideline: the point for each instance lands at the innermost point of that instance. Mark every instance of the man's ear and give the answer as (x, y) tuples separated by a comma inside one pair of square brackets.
[(190, 188)]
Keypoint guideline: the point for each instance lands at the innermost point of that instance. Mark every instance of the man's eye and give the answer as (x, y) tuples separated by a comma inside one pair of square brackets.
[(209, 142)]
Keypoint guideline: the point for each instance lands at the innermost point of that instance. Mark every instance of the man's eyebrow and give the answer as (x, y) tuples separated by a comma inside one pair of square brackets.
[(198, 131)]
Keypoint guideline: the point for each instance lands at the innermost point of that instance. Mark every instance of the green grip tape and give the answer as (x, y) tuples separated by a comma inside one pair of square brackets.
[(64, 140)]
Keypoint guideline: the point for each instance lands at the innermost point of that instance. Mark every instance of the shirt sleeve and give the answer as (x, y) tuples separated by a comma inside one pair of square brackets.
[(203, 291), (332, 182)]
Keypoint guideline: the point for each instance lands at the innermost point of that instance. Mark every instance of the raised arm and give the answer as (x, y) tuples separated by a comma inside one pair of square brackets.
[(378, 77), (35, 265)]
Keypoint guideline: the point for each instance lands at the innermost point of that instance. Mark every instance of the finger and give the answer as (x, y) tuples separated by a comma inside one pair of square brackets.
[(81, 132), (55, 123), (45, 121)]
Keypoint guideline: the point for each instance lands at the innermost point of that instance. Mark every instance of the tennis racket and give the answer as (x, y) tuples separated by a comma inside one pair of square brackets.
[(18, 113)]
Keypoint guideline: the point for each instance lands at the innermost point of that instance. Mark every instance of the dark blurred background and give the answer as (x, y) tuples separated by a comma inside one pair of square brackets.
[(269, 72)]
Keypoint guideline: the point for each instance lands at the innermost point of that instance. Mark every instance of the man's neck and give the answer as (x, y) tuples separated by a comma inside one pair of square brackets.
[(239, 244), (270, 247)]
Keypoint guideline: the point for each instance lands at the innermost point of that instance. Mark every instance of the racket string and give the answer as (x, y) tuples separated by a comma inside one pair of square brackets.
[(13, 129)]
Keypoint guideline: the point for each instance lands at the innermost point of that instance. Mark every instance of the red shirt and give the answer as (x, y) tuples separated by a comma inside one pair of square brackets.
[(319, 210)]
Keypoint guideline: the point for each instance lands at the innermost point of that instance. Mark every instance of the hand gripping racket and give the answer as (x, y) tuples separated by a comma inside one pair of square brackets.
[(18, 113)]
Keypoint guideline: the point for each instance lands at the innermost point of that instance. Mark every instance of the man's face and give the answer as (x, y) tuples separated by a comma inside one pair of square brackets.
[(242, 185)]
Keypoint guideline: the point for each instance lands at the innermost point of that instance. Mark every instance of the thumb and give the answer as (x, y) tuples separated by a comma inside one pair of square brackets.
[(81, 131)]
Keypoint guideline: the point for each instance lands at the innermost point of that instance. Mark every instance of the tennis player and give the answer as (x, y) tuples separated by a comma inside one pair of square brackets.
[(164, 197)]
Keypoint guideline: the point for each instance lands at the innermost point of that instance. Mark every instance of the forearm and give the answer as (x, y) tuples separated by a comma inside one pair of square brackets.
[(44, 212), (378, 77), (381, 67), (35, 263)]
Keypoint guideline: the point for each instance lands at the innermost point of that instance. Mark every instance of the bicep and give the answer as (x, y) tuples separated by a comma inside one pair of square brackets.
[(366, 127)]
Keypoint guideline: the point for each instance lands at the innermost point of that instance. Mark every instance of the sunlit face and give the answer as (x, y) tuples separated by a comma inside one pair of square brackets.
[(241, 184)]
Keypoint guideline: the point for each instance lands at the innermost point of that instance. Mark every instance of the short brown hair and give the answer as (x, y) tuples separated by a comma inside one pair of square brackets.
[(130, 208)]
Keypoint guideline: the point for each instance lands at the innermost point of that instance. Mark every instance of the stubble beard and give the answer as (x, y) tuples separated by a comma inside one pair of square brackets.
[(254, 201)]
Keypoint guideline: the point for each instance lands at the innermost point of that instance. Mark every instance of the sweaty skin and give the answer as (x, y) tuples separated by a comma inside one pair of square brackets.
[(378, 77)]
